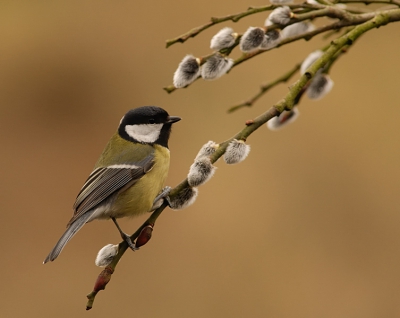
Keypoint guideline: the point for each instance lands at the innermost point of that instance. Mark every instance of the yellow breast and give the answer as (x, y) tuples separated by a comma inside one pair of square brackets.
[(138, 199)]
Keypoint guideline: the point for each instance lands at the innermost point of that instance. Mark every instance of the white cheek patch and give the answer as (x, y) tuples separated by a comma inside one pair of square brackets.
[(144, 133)]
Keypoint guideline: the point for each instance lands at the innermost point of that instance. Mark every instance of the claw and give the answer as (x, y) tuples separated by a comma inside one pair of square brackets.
[(128, 241)]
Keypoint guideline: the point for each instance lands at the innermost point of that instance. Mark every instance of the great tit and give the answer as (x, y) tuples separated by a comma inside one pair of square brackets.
[(128, 178)]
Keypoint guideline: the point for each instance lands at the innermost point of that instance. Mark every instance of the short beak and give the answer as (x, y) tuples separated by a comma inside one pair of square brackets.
[(173, 119)]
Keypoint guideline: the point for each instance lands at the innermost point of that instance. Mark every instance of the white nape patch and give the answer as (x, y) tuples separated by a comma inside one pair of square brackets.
[(144, 133), (123, 166)]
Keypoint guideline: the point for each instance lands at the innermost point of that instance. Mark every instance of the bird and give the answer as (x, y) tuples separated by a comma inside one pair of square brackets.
[(128, 178)]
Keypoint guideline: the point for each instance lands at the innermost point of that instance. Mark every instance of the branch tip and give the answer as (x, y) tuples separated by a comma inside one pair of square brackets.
[(169, 89)]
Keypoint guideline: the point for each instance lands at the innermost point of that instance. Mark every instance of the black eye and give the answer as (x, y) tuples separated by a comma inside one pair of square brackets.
[(152, 121)]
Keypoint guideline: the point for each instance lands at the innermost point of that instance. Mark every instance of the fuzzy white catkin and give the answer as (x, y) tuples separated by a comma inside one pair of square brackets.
[(106, 255), (236, 152), (200, 172), (320, 85), (272, 39), (216, 66), (188, 70), (184, 198), (285, 118), (297, 29), (223, 39), (207, 150), (251, 39), (280, 16), (309, 60)]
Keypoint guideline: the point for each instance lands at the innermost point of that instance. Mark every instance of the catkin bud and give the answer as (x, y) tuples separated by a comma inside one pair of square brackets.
[(271, 40), (320, 85), (144, 236), (223, 39), (284, 119), (281, 15), (236, 151), (251, 39), (184, 198), (106, 255), (188, 70), (297, 29), (309, 60), (101, 282), (216, 66), (207, 150), (200, 172)]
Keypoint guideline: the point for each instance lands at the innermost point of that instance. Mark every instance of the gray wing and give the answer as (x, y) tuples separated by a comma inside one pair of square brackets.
[(105, 181), (101, 184)]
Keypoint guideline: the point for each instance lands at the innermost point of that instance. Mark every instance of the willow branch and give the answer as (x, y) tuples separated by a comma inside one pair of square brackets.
[(367, 2), (286, 103), (348, 19), (354, 20), (283, 79), (215, 20), (265, 88), (305, 7), (234, 18)]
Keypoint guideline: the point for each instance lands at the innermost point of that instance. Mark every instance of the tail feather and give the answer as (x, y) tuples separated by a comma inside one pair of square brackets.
[(72, 229)]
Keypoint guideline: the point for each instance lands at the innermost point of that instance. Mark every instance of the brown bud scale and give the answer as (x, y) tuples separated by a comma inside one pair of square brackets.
[(103, 279), (144, 236)]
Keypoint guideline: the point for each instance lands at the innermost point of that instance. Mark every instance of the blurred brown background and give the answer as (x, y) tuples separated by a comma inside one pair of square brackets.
[(307, 226)]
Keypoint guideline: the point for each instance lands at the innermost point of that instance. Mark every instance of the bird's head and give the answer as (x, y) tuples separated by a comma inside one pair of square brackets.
[(148, 125)]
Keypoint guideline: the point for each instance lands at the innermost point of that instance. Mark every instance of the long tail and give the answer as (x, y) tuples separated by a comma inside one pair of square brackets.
[(69, 233)]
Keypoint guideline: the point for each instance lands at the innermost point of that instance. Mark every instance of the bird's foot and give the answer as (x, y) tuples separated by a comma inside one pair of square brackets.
[(128, 241), (125, 236)]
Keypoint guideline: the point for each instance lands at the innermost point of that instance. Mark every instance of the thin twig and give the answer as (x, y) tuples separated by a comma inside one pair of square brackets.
[(234, 18), (265, 88), (367, 2)]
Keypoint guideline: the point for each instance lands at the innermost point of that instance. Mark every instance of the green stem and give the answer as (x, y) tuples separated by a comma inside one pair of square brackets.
[(265, 88), (366, 2)]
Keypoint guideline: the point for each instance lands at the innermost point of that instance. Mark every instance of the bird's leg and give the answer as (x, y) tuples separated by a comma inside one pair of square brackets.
[(125, 236), (160, 198)]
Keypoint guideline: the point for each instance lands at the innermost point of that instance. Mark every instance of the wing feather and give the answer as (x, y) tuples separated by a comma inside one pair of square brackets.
[(103, 182)]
